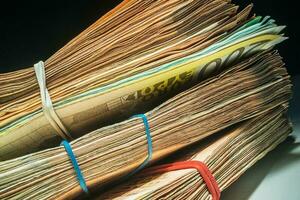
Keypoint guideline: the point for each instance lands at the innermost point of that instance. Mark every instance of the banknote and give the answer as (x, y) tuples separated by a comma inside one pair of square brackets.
[(248, 89)]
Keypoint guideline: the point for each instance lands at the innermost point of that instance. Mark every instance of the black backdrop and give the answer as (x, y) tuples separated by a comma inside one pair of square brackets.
[(33, 30)]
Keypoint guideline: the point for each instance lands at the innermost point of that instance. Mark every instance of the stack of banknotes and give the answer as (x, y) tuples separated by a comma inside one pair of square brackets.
[(205, 75)]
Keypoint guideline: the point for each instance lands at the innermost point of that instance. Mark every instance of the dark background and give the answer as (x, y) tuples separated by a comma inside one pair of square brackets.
[(33, 30)]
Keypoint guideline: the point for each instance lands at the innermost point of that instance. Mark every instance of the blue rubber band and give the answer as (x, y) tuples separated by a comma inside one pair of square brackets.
[(149, 141), (76, 167)]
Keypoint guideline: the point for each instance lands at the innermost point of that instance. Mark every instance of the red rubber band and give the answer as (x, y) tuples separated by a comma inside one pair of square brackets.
[(205, 173)]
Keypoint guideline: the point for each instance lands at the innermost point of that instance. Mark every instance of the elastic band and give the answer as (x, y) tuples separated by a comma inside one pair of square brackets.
[(205, 173), (76, 167), (149, 141), (47, 103)]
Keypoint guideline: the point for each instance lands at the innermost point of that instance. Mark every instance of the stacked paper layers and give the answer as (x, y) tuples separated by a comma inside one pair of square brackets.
[(133, 56), (248, 89), (203, 73), (227, 155)]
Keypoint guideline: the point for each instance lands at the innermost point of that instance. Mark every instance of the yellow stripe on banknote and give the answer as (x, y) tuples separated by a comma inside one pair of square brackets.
[(190, 69)]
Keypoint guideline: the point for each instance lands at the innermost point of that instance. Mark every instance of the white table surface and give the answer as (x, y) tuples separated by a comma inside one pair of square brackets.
[(277, 175)]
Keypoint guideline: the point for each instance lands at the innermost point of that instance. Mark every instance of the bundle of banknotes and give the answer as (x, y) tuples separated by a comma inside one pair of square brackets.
[(204, 75), (228, 154)]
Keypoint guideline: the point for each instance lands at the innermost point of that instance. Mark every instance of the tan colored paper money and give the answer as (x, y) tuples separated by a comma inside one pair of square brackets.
[(248, 89), (129, 59), (228, 155)]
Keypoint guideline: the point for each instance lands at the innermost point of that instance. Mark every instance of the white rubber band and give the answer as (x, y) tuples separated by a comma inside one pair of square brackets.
[(47, 103)]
